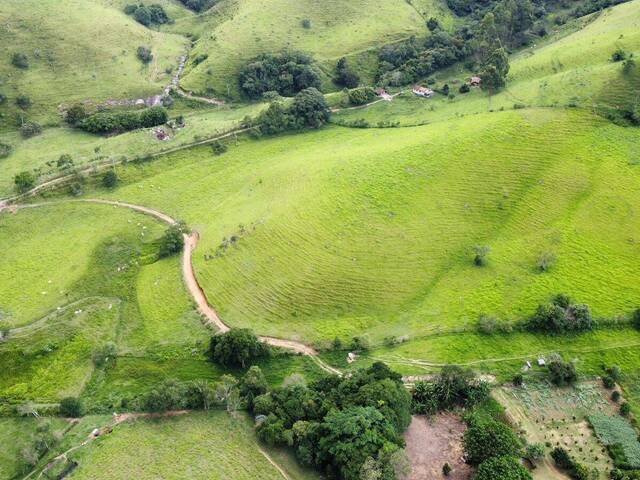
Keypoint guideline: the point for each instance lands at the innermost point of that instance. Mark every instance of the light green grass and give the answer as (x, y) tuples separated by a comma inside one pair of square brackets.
[(575, 69), (198, 446), (243, 29), (349, 231), (78, 50)]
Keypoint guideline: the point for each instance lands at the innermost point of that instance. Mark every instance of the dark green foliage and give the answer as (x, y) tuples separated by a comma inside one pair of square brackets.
[(172, 241), (169, 395), (454, 387), (465, 7), (336, 424), (70, 407), (64, 161), (345, 76), (361, 96), (566, 462), (144, 54), (122, 121), (561, 316), (23, 101), (562, 373), (464, 88), (310, 108), (252, 385), (517, 380), (480, 255), (5, 150), (635, 318), (200, 58), (30, 129), (433, 24), (487, 438), (306, 23), (24, 181), (199, 5), (20, 60), (617, 474), (615, 396), (218, 147), (110, 179), (286, 73), (625, 409), (76, 114), (275, 119), (3, 98), (503, 468), (495, 70), (608, 382), (619, 55), (148, 15), (238, 347), (446, 469)]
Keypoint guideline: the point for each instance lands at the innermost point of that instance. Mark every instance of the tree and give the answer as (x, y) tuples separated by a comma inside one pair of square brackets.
[(144, 54), (345, 76), (619, 55), (252, 385), (5, 150), (172, 241), (562, 373), (546, 261), (625, 409), (361, 96), (503, 468), (23, 101), (446, 469), (310, 108), (110, 179), (169, 395), (433, 24), (237, 348), (487, 439), (70, 407), (75, 114), (20, 60), (480, 257), (24, 182), (496, 68)]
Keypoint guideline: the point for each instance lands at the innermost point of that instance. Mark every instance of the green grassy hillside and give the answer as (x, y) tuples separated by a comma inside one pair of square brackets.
[(78, 50), (576, 69), (239, 30), (346, 231)]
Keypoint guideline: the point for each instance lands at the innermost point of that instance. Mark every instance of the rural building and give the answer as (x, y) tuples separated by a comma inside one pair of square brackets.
[(422, 91), (475, 81)]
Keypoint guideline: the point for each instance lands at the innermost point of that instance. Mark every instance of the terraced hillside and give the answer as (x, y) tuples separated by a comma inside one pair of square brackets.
[(575, 69), (346, 231), (67, 65), (236, 31)]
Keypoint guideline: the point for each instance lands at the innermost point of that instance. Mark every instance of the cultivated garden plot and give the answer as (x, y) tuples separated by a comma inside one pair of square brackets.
[(558, 417)]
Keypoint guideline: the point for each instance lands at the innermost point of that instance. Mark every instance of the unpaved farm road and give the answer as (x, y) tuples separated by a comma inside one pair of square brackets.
[(190, 243)]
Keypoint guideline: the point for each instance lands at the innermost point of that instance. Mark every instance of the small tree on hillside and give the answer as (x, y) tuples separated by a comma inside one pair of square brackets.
[(23, 101), (345, 76), (172, 241), (24, 181), (310, 108), (110, 179), (76, 114), (144, 54), (237, 348), (70, 407), (20, 60), (562, 373), (480, 257), (496, 68)]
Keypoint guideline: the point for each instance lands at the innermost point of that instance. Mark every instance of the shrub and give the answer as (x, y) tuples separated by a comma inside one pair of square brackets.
[(534, 451), (24, 181), (5, 150), (608, 382), (619, 55), (546, 260), (70, 407), (464, 88), (446, 469), (172, 241), (306, 23), (104, 354), (453, 387), (237, 348), (144, 54), (485, 439), (148, 15), (20, 60), (488, 325), (518, 379), (110, 179), (286, 73), (345, 76), (23, 101), (75, 114), (615, 396), (30, 129), (562, 373), (480, 255), (635, 318), (625, 409), (561, 316), (199, 5), (64, 161), (218, 147), (503, 468), (361, 96)]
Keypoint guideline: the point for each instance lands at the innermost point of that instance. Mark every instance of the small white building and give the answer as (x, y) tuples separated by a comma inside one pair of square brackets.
[(541, 362), (422, 91)]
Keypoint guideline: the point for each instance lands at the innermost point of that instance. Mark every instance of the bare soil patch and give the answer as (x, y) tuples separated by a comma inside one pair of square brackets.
[(434, 441)]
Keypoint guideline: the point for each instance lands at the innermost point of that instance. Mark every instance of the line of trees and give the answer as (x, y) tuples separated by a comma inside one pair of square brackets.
[(118, 121), (309, 109)]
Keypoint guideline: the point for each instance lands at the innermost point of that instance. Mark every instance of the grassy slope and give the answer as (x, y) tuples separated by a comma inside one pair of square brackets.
[(575, 69), (67, 64), (347, 231), (246, 28), (198, 446)]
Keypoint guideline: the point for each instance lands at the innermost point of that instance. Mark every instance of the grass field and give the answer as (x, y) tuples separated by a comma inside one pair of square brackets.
[(239, 30), (199, 446), (539, 76), (347, 231), (67, 65)]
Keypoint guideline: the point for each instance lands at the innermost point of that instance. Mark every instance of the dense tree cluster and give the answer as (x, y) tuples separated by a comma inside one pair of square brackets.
[(238, 347), (345, 76), (361, 96), (199, 5), (487, 438), (286, 73), (561, 315), (118, 121), (148, 15), (561, 373), (341, 426), (570, 465), (454, 387), (309, 109), (504, 468)]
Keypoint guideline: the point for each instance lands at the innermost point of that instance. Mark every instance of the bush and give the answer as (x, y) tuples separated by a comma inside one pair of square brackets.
[(619, 55), (5, 150), (562, 373), (453, 387), (30, 129), (615, 396), (144, 54), (345, 76), (75, 114), (148, 15), (635, 318), (625, 409), (70, 407), (237, 348), (285, 73), (608, 382), (218, 147), (546, 260), (110, 179), (23, 101), (464, 88), (503, 468), (20, 60), (446, 469), (122, 121), (172, 241), (199, 5), (485, 439), (480, 257), (361, 96), (518, 380), (310, 109), (306, 23), (24, 181)]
